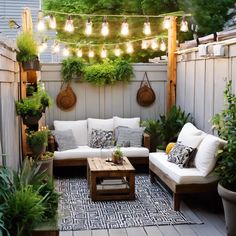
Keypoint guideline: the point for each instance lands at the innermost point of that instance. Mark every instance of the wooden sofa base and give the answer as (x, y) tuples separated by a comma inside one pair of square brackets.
[(83, 162), (180, 189)]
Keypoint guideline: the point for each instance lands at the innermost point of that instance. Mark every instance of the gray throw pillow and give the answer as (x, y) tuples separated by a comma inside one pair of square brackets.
[(65, 139), (181, 155), (127, 137), (101, 138)]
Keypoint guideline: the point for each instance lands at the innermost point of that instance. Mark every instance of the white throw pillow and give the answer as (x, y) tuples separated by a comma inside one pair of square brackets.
[(78, 127), (103, 124), (132, 123), (192, 140), (189, 129), (206, 156)]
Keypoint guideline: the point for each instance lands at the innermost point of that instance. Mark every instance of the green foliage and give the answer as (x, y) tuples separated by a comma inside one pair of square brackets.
[(27, 47), (37, 138), (117, 152), (72, 68), (24, 210), (28, 198), (47, 156), (225, 123), (108, 72), (167, 127)]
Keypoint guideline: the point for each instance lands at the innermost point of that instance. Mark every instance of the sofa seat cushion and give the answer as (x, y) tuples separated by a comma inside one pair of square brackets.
[(85, 151), (179, 175)]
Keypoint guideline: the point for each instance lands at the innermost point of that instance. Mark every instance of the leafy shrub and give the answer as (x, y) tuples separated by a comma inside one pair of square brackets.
[(27, 47), (37, 138)]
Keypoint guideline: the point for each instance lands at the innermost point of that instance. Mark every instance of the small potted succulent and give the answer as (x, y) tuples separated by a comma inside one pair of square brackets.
[(117, 156), (27, 51), (38, 141)]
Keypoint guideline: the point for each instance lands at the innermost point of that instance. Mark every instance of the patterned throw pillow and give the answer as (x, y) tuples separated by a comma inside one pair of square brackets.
[(101, 138), (181, 155), (65, 139)]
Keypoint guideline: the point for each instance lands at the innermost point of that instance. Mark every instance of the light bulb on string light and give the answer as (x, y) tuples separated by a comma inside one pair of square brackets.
[(105, 27), (117, 51), (69, 26), (79, 52), (147, 27), (41, 24), (52, 22), (154, 44), (184, 25), (55, 47), (144, 44), (43, 46), (129, 48), (91, 53), (66, 52), (163, 46), (124, 28), (88, 27), (166, 22), (103, 53)]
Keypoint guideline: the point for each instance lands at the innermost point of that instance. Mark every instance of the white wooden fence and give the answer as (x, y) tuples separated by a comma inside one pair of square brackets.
[(201, 82), (107, 101), (9, 124)]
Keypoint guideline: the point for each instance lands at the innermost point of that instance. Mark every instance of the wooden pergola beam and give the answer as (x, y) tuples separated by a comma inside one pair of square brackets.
[(171, 67)]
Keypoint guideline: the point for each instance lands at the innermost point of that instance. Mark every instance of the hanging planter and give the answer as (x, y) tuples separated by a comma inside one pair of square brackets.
[(33, 64)]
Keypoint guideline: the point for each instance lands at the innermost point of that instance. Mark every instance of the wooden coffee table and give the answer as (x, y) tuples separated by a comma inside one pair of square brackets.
[(109, 181)]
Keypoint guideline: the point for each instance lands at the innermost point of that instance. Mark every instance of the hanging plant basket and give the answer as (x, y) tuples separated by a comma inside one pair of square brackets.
[(33, 64), (31, 120), (38, 150)]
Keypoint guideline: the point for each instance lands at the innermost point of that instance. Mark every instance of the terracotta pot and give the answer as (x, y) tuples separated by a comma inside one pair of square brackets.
[(229, 203)]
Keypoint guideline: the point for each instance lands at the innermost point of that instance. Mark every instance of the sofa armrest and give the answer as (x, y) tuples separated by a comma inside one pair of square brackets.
[(52, 145), (146, 140)]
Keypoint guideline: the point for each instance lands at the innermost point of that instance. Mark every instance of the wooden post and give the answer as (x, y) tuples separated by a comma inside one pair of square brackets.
[(171, 68)]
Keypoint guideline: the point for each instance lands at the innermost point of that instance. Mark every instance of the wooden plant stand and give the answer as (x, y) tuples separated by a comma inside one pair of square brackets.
[(99, 171)]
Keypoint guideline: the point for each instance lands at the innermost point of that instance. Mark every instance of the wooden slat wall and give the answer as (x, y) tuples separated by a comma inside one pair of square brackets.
[(9, 125), (107, 101), (201, 83)]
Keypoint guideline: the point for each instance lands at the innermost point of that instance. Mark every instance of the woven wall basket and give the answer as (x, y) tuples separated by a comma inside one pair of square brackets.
[(145, 95), (66, 99)]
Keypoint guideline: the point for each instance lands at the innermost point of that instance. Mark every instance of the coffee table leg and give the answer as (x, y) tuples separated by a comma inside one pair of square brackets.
[(132, 186), (93, 186)]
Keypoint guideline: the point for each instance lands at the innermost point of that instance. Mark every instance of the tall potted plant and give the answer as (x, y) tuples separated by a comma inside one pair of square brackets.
[(27, 51), (225, 123)]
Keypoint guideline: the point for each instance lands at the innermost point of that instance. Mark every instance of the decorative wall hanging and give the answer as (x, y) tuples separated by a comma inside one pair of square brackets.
[(66, 98), (145, 95)]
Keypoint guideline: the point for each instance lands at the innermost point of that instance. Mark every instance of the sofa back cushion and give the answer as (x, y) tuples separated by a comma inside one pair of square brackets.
[(206, 156), (132, 123), (78, 127)]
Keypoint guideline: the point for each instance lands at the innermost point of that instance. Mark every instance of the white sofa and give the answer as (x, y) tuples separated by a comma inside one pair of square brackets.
[(199, 177), (81, 130)]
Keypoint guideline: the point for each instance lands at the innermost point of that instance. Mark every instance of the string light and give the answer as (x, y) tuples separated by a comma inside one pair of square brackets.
[(88, 27), (55, 47), (144, 44), (163, 46), (105, 28), (103, 53), (91, 53), (79, 52), (66, 52), (124, 28), (184, 25), (69, 26), (166, 23), (154, 44), (41, 23), (129, 48), (43, 46), (117, 51), (147, 27), (52, 22)]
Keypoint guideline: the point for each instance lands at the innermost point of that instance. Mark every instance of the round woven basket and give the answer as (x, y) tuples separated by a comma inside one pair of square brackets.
[(145, 96), (66, 99)]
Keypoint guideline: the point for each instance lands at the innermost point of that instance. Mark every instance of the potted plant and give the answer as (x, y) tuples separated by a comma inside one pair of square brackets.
[(225, 124), (37, 141), (27, 53), (72, 68), (117, 156)]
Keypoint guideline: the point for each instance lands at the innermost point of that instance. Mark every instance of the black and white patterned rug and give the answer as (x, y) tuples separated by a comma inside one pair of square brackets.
[(152, 207)]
